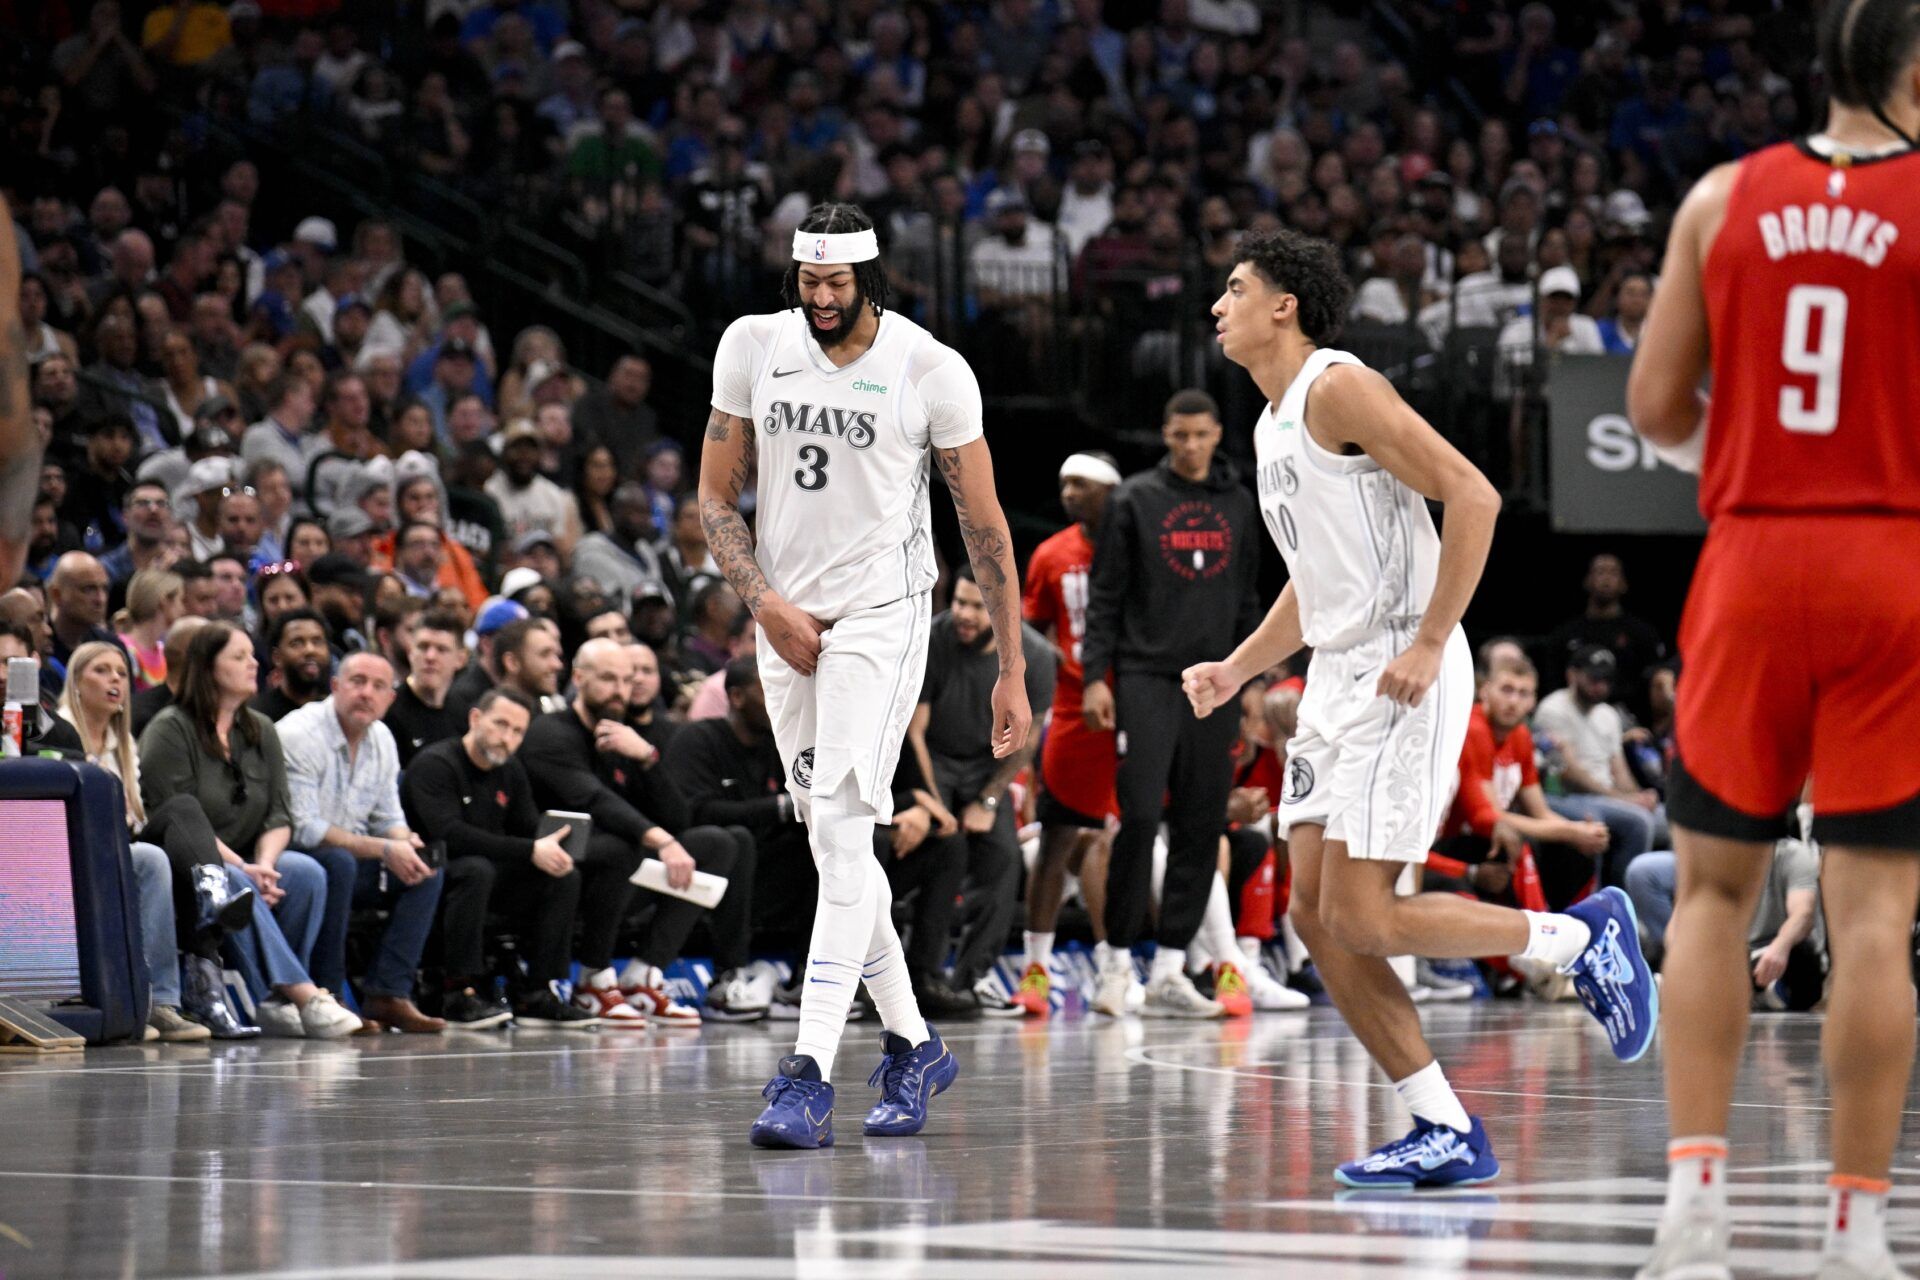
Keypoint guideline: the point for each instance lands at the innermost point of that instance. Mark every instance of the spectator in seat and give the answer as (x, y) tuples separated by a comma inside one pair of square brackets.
[(470, 795), (340, 597), (394, 617), (618, 415), (419, 556), (421, 714), (282, 435), (76, 606), (1632, 299), (149, 703), (1500, 805), (212, 747), (297, 647), (146, 514), (153, 605), (352, 533), (570, 758), (1582, 732), (343, 784), (624, 560), (952, 741), (1787, 941), (1555, 326), (527, 499), (97, 488), (240, 523), (686, 558), (527, 657), (1605, 622)]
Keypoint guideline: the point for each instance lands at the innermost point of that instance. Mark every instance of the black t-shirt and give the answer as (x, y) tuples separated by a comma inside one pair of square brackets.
[(958, 689), (727, 782), (467, 688), (416, 725), (569, 772), (1635, 644), (489, 812), (274, 704), (149, 703)]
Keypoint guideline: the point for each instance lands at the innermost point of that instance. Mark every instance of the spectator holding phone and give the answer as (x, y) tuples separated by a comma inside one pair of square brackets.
[(471, 795), (343, 782)]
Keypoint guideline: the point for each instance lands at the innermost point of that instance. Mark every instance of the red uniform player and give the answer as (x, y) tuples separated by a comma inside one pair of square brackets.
[(1793, 277), (1077, 763)]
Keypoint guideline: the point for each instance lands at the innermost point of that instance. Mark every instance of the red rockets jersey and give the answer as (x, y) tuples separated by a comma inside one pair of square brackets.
[(1057, 596)]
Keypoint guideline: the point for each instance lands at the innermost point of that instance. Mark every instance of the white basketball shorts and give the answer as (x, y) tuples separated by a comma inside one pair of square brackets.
[(1376, 774), (851, 714)]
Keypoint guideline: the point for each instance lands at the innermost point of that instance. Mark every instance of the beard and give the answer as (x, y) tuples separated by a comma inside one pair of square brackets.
[(494, 754), (610, 709), (298, 681), (843, 327)]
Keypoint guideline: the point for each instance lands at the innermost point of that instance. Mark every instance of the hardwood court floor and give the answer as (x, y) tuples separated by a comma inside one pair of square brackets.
[(1077, 1148)]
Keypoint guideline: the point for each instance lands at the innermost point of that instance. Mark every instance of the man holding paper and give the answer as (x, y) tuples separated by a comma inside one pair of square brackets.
[(583, 760)]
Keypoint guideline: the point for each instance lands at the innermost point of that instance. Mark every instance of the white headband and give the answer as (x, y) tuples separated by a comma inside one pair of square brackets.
[(835, 247), (1084, 466)]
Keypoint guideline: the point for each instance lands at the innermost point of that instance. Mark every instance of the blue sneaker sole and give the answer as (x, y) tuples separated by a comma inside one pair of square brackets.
[(938, 1083), (1344, 1179), (774, 1140), (1653, 988)]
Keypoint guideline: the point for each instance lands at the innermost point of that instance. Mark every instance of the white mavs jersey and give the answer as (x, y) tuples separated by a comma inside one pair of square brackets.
[(842, 519), (1359, 544)]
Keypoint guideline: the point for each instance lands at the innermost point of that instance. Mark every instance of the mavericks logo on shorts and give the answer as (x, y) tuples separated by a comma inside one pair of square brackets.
[(1299, 781), (803, 768)]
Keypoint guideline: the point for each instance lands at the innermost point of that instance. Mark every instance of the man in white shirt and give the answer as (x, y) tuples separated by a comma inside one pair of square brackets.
[(1580, 729), (1021, 260), (343, 785), (527, 499), (1554, 326), (1086, 206)]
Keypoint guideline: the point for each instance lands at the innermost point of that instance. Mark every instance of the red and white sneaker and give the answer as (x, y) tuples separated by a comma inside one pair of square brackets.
[(645, 988), (609, 1004)]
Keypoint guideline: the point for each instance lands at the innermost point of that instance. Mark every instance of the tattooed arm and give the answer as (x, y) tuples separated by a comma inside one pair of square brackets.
[(726, 461), (968, 471), (20, 444)]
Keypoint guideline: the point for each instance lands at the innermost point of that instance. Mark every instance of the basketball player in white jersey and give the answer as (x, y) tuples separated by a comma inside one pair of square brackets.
[(838, 402), (1345, 469)]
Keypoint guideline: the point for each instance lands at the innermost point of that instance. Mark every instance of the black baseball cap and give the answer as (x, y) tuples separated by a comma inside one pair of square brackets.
[(1595, 660)]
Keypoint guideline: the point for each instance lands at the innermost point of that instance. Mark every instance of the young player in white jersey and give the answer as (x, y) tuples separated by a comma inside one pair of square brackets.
[(838, 403), (1345, 468)]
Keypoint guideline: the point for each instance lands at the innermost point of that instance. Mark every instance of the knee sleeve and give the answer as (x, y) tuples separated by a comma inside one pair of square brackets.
[(842, 831)]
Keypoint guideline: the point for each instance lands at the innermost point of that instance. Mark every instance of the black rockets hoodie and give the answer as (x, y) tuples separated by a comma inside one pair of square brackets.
[(1175, 573)]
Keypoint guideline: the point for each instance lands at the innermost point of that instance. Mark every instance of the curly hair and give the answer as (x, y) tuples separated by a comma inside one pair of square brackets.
[(869, 277), (1310, 270)]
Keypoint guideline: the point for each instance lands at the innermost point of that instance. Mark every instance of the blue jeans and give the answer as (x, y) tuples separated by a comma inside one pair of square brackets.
[(153, 876), (1651, 883), (1630, 829), (274, 951), (355, 882)]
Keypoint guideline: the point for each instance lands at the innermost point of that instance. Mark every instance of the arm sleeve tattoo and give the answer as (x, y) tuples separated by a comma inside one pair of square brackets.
[(730, 445), (989, 546)]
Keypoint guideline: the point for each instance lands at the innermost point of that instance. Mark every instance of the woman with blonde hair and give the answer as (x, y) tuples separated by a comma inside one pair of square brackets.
[(188, 903), (153, 605)]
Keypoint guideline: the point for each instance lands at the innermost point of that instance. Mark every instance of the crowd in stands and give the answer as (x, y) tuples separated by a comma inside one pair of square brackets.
[(369, 577)]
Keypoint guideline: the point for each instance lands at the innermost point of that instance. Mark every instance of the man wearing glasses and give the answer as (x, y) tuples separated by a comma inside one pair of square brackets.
[(145, 511)]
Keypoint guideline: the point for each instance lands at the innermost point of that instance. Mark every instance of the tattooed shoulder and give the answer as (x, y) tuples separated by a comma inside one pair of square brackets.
[(719, 426)]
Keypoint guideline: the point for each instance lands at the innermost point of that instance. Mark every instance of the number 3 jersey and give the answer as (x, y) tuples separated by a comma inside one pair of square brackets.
[(1359, 544), (841, 517), (1812, 288)]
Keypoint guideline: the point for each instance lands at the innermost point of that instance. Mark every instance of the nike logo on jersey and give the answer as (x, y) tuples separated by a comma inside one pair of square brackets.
[(784, 373)]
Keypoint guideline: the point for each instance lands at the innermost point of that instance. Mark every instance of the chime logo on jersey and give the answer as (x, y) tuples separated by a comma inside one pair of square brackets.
[(1196, 540), (855, 426)]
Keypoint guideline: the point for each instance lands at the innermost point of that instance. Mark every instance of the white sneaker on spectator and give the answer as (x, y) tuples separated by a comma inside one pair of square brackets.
[(278, 1017), (1113, 991), (1439, 986), (993, 1000), (609, 1005), (1270, 994), (736, 996), (645, 988), (324, 1018), (1175, 996)]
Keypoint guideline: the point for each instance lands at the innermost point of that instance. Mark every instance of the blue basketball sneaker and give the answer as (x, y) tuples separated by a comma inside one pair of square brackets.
[(799, 1110), (1432, 1155), (908, 1076), (1611, 976)]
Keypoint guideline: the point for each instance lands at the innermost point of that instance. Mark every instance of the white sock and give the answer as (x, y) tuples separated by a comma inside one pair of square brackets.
[(1168, 962), (885, 972), (1039, 948), (1216, 926), (1696, 1179), (1430, 1098), (600, 979), (1554, 938), (843, 919), (1856, 1219), (1296, 950)]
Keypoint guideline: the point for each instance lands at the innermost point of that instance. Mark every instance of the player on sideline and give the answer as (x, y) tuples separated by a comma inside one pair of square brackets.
[(838, 402), (1343, 477), (1077, 764), (1793, 276)]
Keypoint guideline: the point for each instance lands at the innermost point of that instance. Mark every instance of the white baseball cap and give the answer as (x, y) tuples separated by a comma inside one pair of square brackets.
[(318, 232), (1560, 280)]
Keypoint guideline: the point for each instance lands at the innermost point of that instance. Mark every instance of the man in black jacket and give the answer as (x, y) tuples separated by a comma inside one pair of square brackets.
[(472, 796), (582, 760), (423, 712), (1174, 581)]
